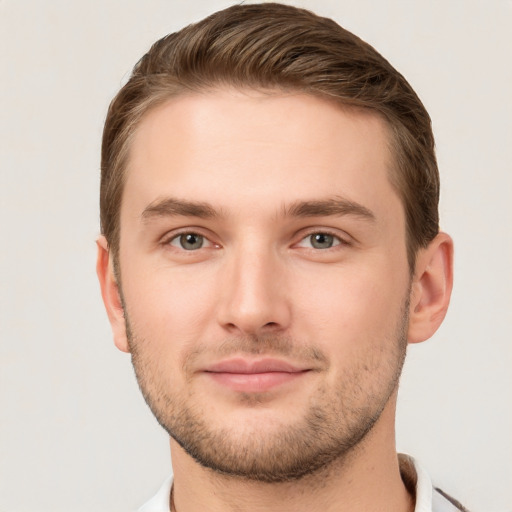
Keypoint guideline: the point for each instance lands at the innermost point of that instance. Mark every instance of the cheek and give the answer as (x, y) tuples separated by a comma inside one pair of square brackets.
[(357, 323), (168, 307), (350, 308)]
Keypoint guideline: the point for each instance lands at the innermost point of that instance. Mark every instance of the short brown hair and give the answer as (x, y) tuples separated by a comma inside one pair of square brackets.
[(276, 46)]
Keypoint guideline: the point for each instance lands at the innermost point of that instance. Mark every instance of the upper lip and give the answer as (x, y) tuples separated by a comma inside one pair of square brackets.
[(241, 365)]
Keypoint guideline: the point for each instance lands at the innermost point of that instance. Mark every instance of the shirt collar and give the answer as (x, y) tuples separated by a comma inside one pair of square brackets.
[(417, 482), (160, 502), (413, 475)]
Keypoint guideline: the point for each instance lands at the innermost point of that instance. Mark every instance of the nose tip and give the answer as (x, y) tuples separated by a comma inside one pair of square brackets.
[(252, 322)]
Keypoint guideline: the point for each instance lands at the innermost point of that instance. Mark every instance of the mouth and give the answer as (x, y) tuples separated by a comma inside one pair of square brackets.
[(254, 376)]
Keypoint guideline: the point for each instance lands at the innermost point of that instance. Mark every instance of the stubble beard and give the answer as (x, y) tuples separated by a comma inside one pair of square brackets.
[(334, 425)]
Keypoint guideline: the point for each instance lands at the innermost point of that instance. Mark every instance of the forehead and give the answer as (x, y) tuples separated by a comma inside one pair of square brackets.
[(233, 148)]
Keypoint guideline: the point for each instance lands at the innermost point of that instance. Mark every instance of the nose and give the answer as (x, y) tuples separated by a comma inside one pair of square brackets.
[(254, 295)]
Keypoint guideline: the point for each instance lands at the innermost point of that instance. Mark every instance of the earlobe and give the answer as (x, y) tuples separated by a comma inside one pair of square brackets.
[(111, 294), (431, 288)]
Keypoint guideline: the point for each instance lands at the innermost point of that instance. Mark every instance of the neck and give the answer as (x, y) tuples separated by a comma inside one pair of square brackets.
[(368, 479)]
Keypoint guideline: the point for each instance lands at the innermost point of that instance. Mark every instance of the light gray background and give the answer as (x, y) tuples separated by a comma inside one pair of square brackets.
[(74, 433)]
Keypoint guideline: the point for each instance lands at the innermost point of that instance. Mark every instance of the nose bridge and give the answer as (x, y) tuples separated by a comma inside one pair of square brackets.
[(254, 296)]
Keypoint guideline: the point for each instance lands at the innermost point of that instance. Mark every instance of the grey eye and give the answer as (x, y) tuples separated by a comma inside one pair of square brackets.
[(321, 240), (189, 241)]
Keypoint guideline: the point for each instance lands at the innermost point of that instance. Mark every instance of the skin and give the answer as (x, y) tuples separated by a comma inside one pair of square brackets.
[(256, 175)]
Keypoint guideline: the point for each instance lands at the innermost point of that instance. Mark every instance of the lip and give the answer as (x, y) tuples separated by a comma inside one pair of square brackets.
[(248, 366), (254, 376)]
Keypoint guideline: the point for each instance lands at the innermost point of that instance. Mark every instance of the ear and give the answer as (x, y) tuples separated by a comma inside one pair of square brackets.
[(431, 288), (111, 295)]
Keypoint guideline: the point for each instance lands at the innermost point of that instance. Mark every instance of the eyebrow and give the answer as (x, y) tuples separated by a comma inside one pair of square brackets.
[(328, 207), (171, 207)]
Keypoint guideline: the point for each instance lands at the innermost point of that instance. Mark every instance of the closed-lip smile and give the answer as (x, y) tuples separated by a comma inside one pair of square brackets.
[(254, 375)]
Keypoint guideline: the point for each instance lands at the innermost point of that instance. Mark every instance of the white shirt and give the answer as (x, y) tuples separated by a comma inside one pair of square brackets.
[(428, 499)]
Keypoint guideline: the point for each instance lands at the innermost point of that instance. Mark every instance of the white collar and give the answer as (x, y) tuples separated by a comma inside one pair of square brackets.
[(426, 499), (160, 502)]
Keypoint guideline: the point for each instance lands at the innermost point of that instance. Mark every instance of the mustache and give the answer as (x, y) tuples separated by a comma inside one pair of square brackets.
[(252, 345), (258, 345)]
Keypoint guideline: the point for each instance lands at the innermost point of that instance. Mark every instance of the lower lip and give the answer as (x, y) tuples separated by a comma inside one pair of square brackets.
[(254, 382)]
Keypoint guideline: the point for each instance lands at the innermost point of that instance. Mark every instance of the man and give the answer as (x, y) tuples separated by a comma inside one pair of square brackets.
[(270, 245)]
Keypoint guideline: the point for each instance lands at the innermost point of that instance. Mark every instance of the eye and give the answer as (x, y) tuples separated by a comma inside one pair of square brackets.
[(320, 241), (189, 241)]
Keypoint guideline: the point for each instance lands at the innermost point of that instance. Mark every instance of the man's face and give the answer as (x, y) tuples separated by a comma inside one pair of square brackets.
[(264, 277)]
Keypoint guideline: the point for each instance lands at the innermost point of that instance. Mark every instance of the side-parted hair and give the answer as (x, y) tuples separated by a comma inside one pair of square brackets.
[(279, 47)]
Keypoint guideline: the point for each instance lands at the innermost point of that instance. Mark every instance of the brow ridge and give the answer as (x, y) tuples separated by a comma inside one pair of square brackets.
[(328, 207), (170, 207)]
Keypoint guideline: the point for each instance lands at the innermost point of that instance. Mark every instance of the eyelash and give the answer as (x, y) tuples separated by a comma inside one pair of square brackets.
[(338, 240), (167, 241)]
